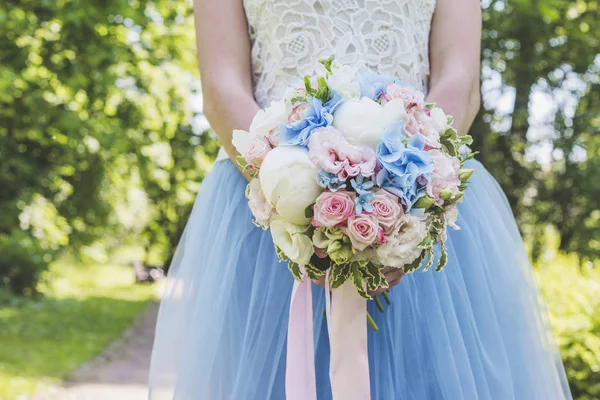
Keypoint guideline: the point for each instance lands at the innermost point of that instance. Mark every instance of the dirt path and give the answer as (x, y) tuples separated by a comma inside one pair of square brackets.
[(121, 373)]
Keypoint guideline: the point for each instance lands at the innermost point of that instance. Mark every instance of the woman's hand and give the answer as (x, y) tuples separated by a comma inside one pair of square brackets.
[(392, 275)]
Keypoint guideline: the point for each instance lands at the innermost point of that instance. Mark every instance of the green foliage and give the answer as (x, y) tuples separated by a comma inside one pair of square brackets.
[(538, 128), (572, 294), (21, 264), (94, 106), (82, 311)]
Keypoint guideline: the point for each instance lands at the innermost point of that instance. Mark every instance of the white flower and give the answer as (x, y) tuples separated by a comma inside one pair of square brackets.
[(265, 124), (289, 182), (364, 121), (402, 248), (291, 240), (343, 81), (261, 209), (451, 215), (440, 120)]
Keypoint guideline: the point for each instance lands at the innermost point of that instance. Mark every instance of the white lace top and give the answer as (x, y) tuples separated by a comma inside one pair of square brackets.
[(290, 36)]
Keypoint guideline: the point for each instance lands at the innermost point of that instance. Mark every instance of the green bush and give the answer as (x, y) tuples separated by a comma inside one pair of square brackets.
[(22, 263), (572, 293)]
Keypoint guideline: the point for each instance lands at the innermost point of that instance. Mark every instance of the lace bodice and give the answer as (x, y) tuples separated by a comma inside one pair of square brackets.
[(289, 37)]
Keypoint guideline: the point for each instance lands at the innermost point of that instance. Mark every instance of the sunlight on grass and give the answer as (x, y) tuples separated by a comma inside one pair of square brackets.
[(83, 310)]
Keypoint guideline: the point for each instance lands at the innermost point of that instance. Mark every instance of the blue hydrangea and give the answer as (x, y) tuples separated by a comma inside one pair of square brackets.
[(317, 115), (406, 165), (371, 83), (329, 181)]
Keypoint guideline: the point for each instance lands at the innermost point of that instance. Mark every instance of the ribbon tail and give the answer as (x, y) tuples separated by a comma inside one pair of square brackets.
[(300, 382), (349, 346)]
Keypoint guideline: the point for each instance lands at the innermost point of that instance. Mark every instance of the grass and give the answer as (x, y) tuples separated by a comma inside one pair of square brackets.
[(83, 309)]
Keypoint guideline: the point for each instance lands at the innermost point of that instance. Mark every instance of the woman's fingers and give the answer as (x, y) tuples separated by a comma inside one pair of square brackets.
[(393, 276)]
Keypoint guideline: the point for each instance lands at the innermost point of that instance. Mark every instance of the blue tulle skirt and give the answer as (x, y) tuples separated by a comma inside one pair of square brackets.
[(477, 330)]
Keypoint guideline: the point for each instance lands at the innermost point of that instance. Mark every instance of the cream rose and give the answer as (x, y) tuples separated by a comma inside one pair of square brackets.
[(291, 240), (265, 124), (289, 181), (363, 121)]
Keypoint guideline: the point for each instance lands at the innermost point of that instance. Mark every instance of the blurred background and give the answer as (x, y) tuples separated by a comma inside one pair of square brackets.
[(103, 147)]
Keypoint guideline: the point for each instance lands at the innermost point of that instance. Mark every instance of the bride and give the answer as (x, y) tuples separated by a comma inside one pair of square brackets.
[(474, 331)]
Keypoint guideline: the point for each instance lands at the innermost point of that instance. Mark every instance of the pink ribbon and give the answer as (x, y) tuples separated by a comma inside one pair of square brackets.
[(349, 364), (300, 383)]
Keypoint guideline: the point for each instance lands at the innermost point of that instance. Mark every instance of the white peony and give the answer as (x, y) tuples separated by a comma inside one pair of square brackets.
[(289, 181), (265, 124), (343, 81), (363, 121), (401, 248), (291, 240), (440, 120)]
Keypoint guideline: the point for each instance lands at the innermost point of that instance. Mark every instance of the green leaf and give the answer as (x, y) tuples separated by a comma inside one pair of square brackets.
[(412, 267), (313, 272), (430, 258), (309, 212), (359, 282), (374, 277), (443, 257), (327, 63), (295, 270), (340, 273)]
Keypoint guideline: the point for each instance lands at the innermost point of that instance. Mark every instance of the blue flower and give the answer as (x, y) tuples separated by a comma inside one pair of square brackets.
[(406, 165), (317, 115), (329, 181), (372, 84), (363, 202), (360, 186)]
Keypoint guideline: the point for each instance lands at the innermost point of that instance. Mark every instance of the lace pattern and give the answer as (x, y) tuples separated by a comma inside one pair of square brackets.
[(288, 38)]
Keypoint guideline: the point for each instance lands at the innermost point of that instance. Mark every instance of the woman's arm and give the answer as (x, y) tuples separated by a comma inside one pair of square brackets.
[(225, 67), (454, 48)]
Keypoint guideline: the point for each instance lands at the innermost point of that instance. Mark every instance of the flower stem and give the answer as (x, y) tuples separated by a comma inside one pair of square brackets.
[(386, 296), (372, 322), (378, 303)]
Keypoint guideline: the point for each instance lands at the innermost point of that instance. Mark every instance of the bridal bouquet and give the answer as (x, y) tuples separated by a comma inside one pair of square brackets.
[(353, 173)]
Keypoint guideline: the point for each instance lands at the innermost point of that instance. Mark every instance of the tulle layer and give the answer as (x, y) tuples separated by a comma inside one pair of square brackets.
[(476, 330)]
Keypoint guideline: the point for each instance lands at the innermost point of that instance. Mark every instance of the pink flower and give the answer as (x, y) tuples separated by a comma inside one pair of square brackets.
[(388, 210), (273, 137), (261, 209), (363, 231), (444, 176), (297, 113), (420, 122), (257, 150), (333, 208), (410, 96), (330, 151)]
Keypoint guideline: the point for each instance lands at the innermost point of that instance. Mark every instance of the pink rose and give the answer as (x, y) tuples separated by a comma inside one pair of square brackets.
[(329, 150), (333, 208), (420, 122), (445, 175), (410, 96), (388, 210), (297, 113), (363, 230), (261, 209), (257, 150)]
